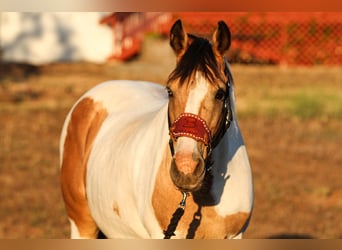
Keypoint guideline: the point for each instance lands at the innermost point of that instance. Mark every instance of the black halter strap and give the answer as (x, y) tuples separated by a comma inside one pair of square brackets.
[(226, 120), (227, 116)]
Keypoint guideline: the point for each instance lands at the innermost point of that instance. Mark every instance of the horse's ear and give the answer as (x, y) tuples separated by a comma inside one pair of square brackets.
[(221, 38), (178, 38)]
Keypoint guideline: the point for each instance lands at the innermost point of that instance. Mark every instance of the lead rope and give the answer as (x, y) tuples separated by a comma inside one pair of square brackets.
[(177, 215)]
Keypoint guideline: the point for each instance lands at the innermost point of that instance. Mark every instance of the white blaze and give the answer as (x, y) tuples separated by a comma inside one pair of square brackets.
[(192, 106)]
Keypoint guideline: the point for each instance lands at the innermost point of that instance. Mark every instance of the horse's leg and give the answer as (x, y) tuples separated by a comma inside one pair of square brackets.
[(82, 224), (82, 128)]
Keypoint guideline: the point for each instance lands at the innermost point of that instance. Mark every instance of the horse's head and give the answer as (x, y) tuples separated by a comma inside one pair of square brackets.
[(199, 108)]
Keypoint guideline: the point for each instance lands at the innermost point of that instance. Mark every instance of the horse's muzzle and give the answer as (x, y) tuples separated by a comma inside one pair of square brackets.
[(187, 172)]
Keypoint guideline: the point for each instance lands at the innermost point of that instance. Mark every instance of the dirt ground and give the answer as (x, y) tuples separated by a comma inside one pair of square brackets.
[(296, 162)]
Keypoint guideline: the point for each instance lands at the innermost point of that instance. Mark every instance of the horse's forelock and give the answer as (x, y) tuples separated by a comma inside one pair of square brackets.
[(198, 57)]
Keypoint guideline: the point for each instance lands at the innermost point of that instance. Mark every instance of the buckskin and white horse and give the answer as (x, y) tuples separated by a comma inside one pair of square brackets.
[(132, 150)]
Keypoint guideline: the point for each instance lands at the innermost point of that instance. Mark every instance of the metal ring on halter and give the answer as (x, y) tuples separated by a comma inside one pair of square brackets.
[(182, 204)]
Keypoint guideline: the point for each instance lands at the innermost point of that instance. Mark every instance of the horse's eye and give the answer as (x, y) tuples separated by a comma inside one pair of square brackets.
[(220, 95), (169, 92)]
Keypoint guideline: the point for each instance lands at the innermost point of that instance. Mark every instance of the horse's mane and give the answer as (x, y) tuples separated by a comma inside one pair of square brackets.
[(198, 57)]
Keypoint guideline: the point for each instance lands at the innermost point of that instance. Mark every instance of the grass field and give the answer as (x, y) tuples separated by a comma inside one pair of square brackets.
[(290, 117)]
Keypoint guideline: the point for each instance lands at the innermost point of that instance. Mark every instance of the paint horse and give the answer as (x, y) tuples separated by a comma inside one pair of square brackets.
[(131, 150)]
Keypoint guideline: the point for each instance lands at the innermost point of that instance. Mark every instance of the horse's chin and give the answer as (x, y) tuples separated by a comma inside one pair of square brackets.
[(188, 188)]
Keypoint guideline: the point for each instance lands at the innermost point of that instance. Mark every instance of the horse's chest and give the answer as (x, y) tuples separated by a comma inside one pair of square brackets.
[(201, 219), (198, 221)]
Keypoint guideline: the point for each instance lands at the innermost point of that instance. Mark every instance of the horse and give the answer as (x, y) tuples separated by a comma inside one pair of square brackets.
[(141, 160)]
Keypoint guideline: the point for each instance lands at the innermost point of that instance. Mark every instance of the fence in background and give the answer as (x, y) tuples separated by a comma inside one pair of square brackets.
[(276, 38), (264, 38)]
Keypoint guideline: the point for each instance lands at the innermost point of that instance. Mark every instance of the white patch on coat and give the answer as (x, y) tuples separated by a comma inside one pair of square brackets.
[(132, 134), (233, 166)]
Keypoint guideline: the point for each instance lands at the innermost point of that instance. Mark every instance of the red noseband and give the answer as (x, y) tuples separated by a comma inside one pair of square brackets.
[(191, 125)]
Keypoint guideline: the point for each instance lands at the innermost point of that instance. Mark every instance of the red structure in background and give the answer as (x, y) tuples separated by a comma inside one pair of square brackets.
[(266, 38), (129, 29)]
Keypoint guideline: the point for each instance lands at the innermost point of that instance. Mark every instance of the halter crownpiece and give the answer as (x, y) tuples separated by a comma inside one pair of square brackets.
[(192, 126)]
